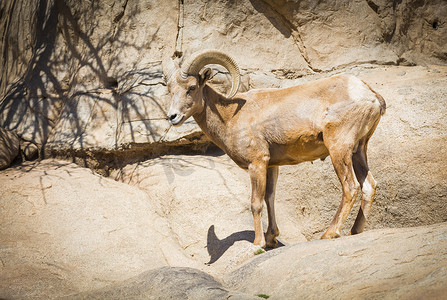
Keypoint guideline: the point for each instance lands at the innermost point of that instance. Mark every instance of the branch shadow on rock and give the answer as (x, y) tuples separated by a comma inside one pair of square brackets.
[(69, 85)]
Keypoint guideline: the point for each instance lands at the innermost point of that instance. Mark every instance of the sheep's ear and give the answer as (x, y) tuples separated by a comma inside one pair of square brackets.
[(205, 76)]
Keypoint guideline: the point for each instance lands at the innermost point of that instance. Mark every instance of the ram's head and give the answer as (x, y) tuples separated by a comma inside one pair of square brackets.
[(186, 83)]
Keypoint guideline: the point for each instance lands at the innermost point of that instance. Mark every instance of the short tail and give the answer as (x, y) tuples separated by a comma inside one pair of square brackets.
[(380, 98), (382, 103)]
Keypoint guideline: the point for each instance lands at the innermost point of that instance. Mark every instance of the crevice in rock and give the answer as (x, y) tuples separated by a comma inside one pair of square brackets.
[(295, 33), (435, 25), (180, 26), (373, 6), (119, 16), (111, 83), (388, 37)]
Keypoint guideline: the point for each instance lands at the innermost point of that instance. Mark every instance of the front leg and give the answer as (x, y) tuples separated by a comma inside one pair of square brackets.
[(258, 174)]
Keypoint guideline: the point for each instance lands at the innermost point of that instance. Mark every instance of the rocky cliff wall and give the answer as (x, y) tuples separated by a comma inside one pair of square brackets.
[(84, 78)]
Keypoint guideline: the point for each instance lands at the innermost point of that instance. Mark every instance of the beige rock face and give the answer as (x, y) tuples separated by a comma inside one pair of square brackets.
[(66, 90), (66, 232), (9, 147), (86, 77), (205, 200), (345, 268)]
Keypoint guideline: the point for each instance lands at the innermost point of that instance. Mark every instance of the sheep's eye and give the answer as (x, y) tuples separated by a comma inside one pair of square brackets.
[(191, 88)]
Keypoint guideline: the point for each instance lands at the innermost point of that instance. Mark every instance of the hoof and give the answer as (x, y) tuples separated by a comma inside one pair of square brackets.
[(271, 243), (354, 231), (260, 243), (330, 235), (270, 237)]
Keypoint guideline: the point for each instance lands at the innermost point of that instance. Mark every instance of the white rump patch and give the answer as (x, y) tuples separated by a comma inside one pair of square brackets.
[(367, 189), (358, 90)]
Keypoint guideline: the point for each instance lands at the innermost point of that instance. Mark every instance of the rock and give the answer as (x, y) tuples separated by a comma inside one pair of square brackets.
[(100, 44), (87, 236), (205, 200), (66, 230), (167, 283), (409, 263), (30, 150), (9, 147), (87, 78)]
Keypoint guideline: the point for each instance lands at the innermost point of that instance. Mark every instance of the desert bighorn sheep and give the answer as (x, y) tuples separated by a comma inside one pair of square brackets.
[(265, 128)]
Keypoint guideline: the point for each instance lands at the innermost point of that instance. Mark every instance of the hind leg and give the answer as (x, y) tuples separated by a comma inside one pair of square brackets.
[(368, 185), (342, 162), (272, 230)]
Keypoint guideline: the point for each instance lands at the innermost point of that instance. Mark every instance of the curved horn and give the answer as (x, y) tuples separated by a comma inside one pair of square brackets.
[(196, 62)]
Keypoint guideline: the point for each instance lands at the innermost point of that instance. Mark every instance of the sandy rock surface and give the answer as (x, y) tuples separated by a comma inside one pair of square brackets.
[(64, 230), (67, 232), (408, 263)]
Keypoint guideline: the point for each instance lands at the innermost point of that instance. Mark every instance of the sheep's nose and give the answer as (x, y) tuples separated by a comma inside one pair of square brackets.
[(175, 118), (172, 117)]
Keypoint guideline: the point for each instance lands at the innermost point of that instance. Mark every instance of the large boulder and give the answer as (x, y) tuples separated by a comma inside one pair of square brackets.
[(66, 230), (9, 147), (205, 200), (167, 283), (409, 263)]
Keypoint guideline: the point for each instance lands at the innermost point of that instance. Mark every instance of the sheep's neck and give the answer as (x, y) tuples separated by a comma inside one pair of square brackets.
[(217, 112)]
